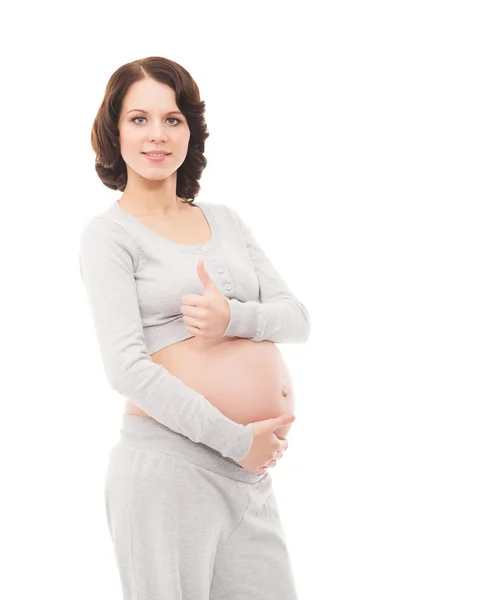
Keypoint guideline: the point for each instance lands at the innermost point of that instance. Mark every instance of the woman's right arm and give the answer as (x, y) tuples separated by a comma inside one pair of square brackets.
[(108, 259)]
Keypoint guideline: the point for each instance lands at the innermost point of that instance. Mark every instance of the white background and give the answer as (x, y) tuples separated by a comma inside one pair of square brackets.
[(345, 134)]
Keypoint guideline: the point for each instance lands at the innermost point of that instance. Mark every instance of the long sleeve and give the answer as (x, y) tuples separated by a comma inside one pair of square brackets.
[(278, 316), (108, 258)]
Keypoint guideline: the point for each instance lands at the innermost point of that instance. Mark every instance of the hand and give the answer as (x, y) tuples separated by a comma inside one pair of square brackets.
[(208, 315), (266, 447)]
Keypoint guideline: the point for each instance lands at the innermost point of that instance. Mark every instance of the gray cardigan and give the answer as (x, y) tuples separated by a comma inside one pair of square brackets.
[(135, 280)]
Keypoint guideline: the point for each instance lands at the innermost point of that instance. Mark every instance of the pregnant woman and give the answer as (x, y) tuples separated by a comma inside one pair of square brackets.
[(187, 309)]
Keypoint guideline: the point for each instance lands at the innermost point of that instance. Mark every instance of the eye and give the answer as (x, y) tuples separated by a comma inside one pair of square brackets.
[(170, 119)]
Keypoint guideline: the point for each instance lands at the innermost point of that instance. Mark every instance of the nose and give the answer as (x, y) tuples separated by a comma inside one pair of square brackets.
[(157, 132)]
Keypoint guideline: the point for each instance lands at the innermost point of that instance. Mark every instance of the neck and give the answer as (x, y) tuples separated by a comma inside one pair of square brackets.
[(153, 206)]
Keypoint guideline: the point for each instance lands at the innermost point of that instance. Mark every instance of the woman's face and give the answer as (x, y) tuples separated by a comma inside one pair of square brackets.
[(158, 127)]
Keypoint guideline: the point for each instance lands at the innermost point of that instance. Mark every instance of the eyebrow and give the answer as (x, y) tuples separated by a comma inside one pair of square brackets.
[(171, 112)]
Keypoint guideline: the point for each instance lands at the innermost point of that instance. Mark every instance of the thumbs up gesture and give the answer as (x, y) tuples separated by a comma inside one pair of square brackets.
[(208, 315)]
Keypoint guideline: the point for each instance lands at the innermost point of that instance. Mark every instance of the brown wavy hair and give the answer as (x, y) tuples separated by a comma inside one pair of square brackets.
[(110, 166)]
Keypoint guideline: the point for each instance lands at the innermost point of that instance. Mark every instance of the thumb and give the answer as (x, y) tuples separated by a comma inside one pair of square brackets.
[(282, 421), (204, 276)]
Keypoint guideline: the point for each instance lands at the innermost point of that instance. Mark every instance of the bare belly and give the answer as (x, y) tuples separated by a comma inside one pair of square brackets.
[(247, 381)]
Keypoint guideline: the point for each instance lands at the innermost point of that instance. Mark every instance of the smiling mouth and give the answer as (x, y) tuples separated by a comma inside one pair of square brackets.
[(156, 155)]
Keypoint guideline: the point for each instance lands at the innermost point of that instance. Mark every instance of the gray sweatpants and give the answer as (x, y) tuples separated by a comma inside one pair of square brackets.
[(190, 524)]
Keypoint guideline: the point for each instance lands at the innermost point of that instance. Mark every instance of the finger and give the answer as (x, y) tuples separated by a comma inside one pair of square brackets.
[(282, 421), (193, 322), (193, 300), (194, 330), (270, 465), (193, 311)]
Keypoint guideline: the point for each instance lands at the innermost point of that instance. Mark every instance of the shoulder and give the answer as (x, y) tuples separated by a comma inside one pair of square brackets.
[(101, 232), (221, 211), (102, 225)]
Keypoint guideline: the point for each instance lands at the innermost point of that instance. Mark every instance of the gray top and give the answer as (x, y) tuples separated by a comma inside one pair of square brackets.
[(135, 280)]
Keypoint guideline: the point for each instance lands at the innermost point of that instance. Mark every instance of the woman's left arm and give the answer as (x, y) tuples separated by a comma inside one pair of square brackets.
[(278, 316)]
